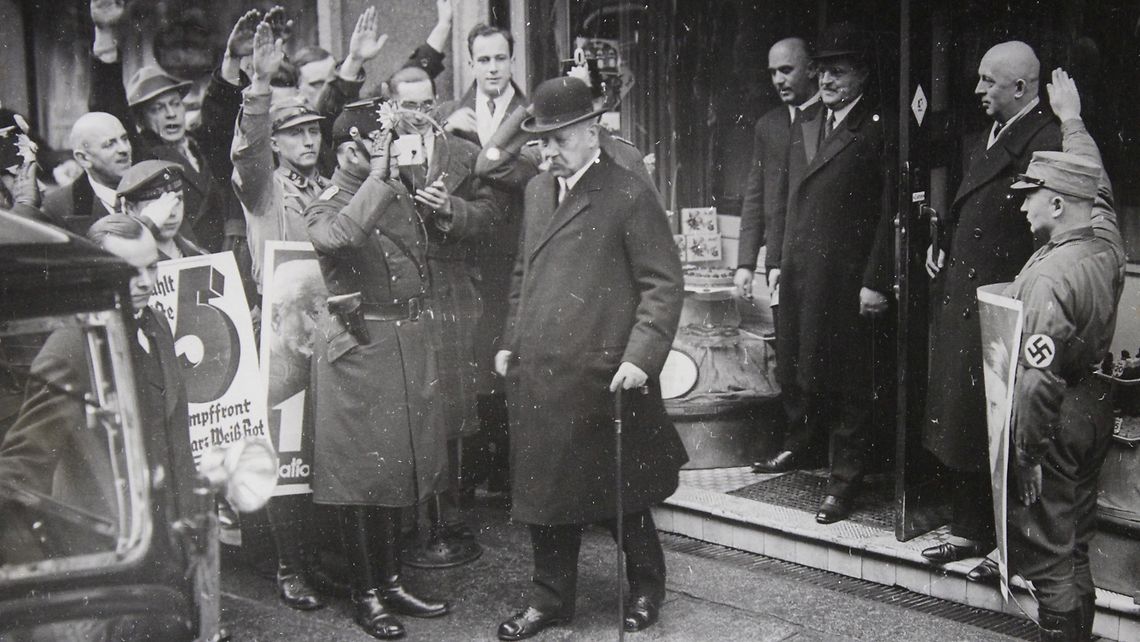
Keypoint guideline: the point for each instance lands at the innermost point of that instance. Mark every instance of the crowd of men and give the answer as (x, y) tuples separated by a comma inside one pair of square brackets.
[(512, 265)]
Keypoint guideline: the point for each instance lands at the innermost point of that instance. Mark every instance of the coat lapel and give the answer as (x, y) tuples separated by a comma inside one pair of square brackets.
[(843, 136), (576, 202), (988, 164)]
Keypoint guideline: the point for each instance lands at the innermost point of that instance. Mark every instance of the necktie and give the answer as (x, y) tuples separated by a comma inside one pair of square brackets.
[(491, 107), (798, 118), (998, 126), (829, 125)]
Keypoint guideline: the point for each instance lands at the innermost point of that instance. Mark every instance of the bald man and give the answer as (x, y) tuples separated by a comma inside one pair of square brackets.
[(766, 196), (100, 145), (988, 242)]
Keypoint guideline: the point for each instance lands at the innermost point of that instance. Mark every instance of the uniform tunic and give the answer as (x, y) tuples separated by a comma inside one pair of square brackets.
[(1062, 417), (376, 441)]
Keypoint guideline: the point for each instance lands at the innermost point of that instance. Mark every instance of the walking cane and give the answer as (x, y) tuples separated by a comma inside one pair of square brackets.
[(620, 514)]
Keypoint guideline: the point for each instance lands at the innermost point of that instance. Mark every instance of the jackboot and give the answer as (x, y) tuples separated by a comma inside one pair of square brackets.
[(1055, 626), (293, 585), (371, 612), (384, 525)]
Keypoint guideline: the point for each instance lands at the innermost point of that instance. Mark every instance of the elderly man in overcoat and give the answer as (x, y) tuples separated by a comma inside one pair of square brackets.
[(595, 301), (988, 243), (834, 273)]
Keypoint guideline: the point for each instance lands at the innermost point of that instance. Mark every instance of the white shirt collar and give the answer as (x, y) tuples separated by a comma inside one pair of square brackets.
[(569, 182), (105, 194), (484, 121), (807, 103), (995, 132), (842, 112)]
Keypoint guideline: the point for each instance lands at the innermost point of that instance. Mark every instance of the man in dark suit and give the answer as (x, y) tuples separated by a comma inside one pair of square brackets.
[(834, 273), (102, 148), (766, 195), (595, 301), (989, 243)]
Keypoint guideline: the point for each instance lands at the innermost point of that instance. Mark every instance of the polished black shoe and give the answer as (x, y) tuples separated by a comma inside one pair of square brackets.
[(948, 552), (528, 623), (373, 616), (297, 593), (782, 462), (834, 509), (641, 613), (986, 572), (402, 601)]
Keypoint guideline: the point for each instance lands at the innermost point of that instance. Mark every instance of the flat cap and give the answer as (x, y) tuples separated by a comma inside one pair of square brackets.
[(290, 112), (1061, 172), (149, 180), (360, 118), (150, 81)]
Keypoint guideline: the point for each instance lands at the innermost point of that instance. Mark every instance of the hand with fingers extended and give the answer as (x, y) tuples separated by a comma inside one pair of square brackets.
[(366, 40), (159, 210), (280, 23), (1063, 96), (107, 13), (240, 42), (268, 54)]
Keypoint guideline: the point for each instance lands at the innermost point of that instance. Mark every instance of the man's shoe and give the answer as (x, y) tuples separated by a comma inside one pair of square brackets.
[(528, 623), (404, 602), (782, 462), (374, 617), (986, 572), (641, 613), (297, 593), (948, 552), (834, 509)]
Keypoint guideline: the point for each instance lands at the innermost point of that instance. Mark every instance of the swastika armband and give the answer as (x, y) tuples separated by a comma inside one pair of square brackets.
[(1042, 352)]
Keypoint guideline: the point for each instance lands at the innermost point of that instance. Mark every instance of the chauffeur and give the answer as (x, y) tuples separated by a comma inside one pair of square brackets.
[(595, 301), (376, 448), (1062, 415)]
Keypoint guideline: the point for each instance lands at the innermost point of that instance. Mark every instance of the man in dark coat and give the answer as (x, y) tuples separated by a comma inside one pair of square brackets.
[(766, 195), (595, 301), (1062, 414), (988, 243), (102, 148), (378, 448), (834, 271)]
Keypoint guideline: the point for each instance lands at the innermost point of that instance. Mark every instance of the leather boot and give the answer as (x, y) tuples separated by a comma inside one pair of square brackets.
[(371, 613), (1055, 626), (292, 574), (385, 528)]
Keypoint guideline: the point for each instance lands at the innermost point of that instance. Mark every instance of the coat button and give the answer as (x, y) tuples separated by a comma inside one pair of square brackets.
[(394, 278), (946, 300), (977, 232), (971, 274), (965, 313)]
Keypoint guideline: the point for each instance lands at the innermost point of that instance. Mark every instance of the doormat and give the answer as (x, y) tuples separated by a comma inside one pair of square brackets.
[(804, 491)]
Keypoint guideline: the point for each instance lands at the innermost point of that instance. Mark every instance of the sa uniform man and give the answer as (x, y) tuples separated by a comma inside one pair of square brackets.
[(1062, 414)]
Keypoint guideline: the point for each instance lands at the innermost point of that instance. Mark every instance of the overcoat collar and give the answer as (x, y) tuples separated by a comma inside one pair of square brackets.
[(576, 202), (987, 164), (845, 134)]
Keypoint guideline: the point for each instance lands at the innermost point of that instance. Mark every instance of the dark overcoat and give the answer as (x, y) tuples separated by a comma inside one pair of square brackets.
[(989, 242), (597, 283), (377, 442), (836, 240), (74, 207)]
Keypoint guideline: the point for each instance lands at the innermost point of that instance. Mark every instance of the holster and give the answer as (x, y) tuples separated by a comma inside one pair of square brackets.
[(346, 307)]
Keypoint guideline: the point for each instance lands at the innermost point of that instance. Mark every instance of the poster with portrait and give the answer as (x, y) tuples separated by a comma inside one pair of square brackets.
[(1001, 322), (203, 300), (293, 297)]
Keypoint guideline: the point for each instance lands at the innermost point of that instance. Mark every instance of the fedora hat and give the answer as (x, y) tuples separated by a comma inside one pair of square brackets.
[(843, 40), (150, 81), (559, 102)]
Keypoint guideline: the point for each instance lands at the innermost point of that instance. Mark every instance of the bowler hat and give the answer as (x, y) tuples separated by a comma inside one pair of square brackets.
[(290, 112), (1061, 172), (149, 180), (150, 81), (559, 102), (842, 40), (360, 118)]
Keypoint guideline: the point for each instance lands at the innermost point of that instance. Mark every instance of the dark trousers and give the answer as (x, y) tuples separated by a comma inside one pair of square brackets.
[(846, 417), (555, 580), (973, 506)]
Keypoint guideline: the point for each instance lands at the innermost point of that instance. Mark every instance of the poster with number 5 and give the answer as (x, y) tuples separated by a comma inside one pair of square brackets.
[(293, 297), (203, 300)]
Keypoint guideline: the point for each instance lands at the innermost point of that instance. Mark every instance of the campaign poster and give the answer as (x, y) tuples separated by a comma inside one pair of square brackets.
[(1001, 322), (203, 300), (293, 305)]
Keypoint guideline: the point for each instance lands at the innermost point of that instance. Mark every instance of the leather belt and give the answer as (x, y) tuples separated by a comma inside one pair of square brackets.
[(402, 310)]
